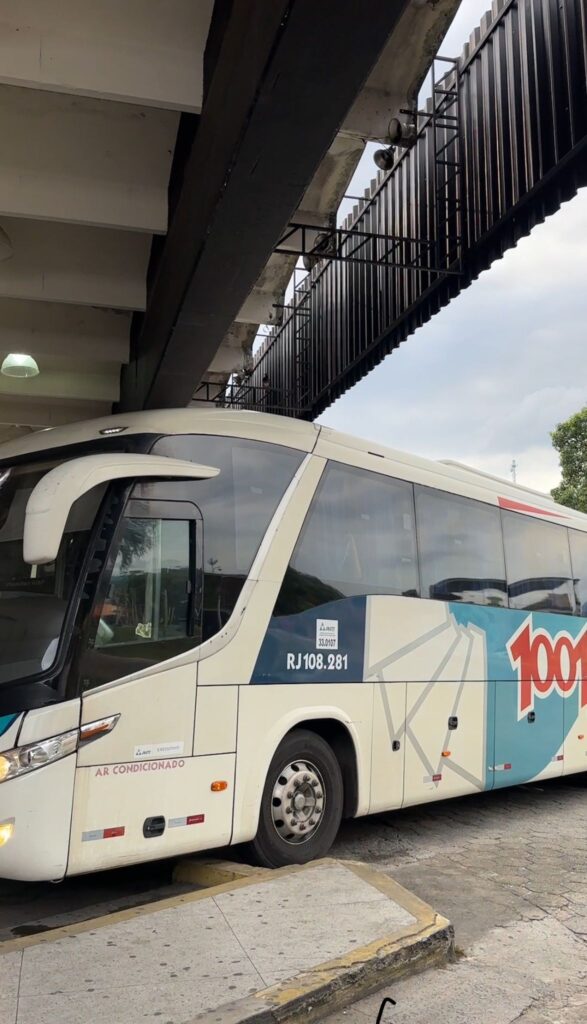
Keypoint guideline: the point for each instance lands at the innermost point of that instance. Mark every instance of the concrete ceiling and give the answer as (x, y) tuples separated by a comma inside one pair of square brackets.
[(90, 102), (99, 109)]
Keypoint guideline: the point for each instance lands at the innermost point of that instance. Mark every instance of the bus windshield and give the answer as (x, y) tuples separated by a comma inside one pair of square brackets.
[(34, 599)]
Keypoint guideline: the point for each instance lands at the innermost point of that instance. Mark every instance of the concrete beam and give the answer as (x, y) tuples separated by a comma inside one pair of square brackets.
[(271, 113), (264, 303), (395, 80), (234, 354), (84, 161), (53, 330), (317, 207), (72, 264), (58, 384), (135, 51), (393, 84), (31, 412)]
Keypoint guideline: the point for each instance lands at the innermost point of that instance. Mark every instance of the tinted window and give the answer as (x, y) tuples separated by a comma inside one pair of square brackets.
[(237, 507), (461, 549), (579, 562), (146, 611), (149, 593), (358, 538), (538, 564), (34, 598)]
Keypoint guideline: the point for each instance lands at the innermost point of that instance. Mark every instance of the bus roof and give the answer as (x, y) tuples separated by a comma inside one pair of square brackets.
[(306, 437)]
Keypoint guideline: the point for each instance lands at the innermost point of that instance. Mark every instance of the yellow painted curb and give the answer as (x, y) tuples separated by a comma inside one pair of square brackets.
[(328, 986), (337, 983), (208, 872), (107, 920), (253, 875)]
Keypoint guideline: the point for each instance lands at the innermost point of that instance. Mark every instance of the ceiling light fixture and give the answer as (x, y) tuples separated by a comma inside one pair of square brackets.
[(19, 365)]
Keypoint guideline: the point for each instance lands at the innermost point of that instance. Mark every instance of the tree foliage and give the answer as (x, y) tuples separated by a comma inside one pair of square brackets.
[(570, 441)]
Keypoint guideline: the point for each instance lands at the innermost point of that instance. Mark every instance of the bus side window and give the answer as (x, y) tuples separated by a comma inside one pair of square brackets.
[(149, 593), (145, 612), (578, 542), (461, 548), (236, 506), (358, 538), (538, 565)]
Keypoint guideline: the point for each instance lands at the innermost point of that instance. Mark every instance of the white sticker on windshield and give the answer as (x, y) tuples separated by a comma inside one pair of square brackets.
[(170, 749), (327, 634)]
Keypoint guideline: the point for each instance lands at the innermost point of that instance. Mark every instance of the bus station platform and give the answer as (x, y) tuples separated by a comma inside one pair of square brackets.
[(262, 946)]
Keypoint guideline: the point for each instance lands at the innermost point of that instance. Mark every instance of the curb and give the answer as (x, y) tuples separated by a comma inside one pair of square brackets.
[(428, 940), (141, 910), (336, 984), (209, 872)]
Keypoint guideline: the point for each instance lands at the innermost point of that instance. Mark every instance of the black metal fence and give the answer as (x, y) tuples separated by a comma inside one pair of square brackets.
[(501, 144)]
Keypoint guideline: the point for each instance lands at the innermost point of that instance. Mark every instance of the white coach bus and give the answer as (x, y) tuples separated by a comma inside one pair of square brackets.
[(224, 627)]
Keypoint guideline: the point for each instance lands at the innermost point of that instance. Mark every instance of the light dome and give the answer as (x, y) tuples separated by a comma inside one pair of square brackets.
[(19, 365)]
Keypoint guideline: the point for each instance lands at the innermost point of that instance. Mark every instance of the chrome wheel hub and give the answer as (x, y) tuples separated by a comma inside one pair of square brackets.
[(298, 802)]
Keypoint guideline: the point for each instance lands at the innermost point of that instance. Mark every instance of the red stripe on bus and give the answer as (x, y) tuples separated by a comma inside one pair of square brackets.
[(195, 819), (519, 506), (112, 833)]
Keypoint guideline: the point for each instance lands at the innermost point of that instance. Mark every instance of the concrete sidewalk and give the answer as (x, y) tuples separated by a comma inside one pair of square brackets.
[(260, 948)]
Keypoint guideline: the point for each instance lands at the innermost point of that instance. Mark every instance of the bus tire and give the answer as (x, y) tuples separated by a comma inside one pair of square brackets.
[(302, 802)]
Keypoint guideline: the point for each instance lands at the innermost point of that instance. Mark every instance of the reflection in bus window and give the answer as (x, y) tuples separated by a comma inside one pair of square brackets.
[(149, 593), (236, 506), (359, 538), (578, 542), (538, 565), (145, 616), (461, 550), (34, 598)]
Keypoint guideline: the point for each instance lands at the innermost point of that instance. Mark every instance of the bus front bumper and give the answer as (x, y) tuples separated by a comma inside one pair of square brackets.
[(35, 810)]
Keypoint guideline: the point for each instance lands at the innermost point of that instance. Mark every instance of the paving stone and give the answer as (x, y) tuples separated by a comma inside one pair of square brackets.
[(509, 869)]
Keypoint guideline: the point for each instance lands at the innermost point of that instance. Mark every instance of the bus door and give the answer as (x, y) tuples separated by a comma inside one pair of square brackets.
[(137, 786)]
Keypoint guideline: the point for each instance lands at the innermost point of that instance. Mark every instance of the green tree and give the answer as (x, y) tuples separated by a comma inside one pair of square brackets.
[(570, 441)]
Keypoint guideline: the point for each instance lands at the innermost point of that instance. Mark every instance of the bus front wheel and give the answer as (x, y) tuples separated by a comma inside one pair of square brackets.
[(302, 802)]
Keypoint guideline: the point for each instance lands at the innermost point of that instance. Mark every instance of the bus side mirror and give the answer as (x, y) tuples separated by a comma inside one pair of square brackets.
[(50, 502)]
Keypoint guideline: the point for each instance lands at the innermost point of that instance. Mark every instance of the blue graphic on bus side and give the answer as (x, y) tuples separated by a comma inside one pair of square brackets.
[(527, 744), (5, 722), (322, 645), (535, 677)]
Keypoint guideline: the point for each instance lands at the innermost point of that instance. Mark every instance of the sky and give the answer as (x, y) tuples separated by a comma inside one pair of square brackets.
[(488, 378)]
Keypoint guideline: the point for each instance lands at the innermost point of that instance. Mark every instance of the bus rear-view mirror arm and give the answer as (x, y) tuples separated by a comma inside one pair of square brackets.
[(50, 502)]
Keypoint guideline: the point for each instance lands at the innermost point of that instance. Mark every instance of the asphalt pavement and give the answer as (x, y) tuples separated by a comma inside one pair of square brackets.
[(27, 908)]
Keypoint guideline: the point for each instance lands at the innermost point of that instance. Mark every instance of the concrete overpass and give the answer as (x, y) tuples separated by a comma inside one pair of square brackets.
[(152, 156)]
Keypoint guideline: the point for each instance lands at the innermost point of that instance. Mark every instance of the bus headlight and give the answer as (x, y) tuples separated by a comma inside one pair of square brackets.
[(6, 831), (26, 759)]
